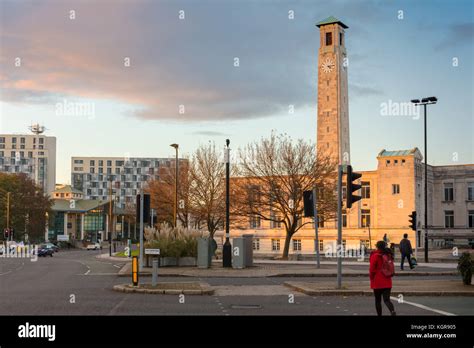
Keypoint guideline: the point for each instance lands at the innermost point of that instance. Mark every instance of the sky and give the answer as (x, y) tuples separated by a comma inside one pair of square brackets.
[(159, 72)]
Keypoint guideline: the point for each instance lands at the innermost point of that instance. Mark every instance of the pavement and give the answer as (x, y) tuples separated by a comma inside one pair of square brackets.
[(78, 282), (400, 287), (267, 268)]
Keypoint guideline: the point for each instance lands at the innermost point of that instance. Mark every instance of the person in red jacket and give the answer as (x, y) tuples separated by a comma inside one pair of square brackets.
[(380, 282)]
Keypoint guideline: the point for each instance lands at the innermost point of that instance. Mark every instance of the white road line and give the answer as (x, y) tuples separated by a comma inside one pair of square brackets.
[(88, 271), (424, 307), (117, 266), (5, 273)]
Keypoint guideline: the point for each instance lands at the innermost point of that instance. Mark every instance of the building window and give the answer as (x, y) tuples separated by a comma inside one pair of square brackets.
[(344, 218), (255, 221), (275, 244), (328, 39), (448, 192), (344, 245), (395, 162), (92, 163), (101, 163), (395, 189), (449, 218), (365, 218), (387, 162), (403, 162), (470, 191), (256, 244), (470, 222), (341, 39), (365, 190), (296, 244), (109, 163), (320, 221), (344, 191)]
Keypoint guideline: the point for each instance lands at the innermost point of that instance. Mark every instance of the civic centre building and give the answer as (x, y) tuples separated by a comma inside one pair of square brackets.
[(389, 193)]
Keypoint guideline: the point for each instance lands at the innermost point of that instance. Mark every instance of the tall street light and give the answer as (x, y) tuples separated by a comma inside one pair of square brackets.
[(227, 247), (425, 102), (175, 209)]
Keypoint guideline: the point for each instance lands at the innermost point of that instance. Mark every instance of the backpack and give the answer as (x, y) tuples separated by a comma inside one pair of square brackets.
[(388, 267)]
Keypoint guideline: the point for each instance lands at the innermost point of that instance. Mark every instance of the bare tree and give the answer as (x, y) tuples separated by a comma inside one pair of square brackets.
[(273, 175), (207, 189), (162, 192)]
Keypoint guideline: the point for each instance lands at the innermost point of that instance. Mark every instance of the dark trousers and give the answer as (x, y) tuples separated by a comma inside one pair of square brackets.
[(385, 294), (403, 260)]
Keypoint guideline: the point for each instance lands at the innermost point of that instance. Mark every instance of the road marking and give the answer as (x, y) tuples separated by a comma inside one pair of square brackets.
[(424, 307), (117, 266), (114, 310), (88, 271), (5, 273)]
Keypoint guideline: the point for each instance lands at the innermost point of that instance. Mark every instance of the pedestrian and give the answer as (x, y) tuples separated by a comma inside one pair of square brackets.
[(386, 240), (406, 251), (381, 272)]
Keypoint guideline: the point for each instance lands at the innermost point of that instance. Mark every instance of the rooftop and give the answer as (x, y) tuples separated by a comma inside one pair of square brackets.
[(396, 153), (331, 20)]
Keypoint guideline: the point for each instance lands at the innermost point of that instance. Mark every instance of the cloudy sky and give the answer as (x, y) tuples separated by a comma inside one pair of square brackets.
[(182, 85)]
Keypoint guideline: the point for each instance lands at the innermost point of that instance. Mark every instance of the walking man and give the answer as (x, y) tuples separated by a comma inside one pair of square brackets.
[(381, 272), (406, 251)]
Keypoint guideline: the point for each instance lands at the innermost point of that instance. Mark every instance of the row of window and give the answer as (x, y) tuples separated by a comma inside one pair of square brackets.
[(22, 140), (449, 191), (255, 221), (449, 219), (121, 163), (296, 244)]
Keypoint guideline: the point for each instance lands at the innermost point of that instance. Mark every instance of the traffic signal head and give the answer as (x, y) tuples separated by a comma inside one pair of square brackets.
[(352, 187), (412, 220), (308, 203)]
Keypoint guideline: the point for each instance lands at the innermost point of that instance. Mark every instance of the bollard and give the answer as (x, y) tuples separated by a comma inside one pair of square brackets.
[(135, 271), (154, 278)]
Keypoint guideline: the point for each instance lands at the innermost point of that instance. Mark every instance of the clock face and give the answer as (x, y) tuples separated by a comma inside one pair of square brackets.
[(328, 65)]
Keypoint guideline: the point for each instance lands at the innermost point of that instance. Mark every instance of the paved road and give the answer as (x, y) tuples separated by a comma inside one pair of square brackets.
[(77, 283)]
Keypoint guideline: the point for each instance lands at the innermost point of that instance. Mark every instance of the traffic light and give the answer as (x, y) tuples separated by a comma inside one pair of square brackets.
[(5, 233), (352, 187), (308, 203), (412, 220), (146, 209)]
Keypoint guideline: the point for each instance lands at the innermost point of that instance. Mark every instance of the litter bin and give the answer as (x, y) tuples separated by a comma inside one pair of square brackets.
[(248, 241), (204, 253)]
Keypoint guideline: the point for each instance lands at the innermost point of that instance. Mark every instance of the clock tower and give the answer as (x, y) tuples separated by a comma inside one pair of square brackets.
[(333, 104)]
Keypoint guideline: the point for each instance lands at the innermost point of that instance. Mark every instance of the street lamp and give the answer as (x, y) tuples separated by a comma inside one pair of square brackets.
[(424, 102), (175, 218), (227, 247)]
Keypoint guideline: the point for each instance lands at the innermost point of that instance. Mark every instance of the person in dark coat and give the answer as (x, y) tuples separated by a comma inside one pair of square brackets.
[(406, 251), (379, 282)]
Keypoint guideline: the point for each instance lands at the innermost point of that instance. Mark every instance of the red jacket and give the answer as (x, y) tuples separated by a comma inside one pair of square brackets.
[(377, 279)]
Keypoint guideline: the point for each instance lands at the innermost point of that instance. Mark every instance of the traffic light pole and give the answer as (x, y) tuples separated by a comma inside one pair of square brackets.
[(339, 226), (315, 202), (142, 203)]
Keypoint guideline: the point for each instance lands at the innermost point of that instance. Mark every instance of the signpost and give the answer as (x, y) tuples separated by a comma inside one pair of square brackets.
[(63, 237), (154, 273)]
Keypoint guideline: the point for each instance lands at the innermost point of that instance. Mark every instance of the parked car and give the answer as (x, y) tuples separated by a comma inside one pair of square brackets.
[(52, 246), (94, 246), (45, 251)]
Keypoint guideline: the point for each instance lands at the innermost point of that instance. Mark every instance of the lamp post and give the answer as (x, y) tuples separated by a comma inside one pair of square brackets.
[(425, 102), (175, 209), (227, 247), (111, 221)]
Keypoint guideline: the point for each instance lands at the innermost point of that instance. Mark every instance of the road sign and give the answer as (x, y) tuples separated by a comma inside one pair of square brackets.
[(63, 237), (152, 251)]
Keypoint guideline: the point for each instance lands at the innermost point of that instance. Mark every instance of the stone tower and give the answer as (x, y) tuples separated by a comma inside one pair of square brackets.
[(333, 109)]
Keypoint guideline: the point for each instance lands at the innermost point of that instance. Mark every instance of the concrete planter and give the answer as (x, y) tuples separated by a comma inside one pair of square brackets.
[(187, 261), (169, 261)]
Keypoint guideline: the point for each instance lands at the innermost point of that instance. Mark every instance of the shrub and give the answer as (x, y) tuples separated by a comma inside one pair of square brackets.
[(173, 242), (465, 267)]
